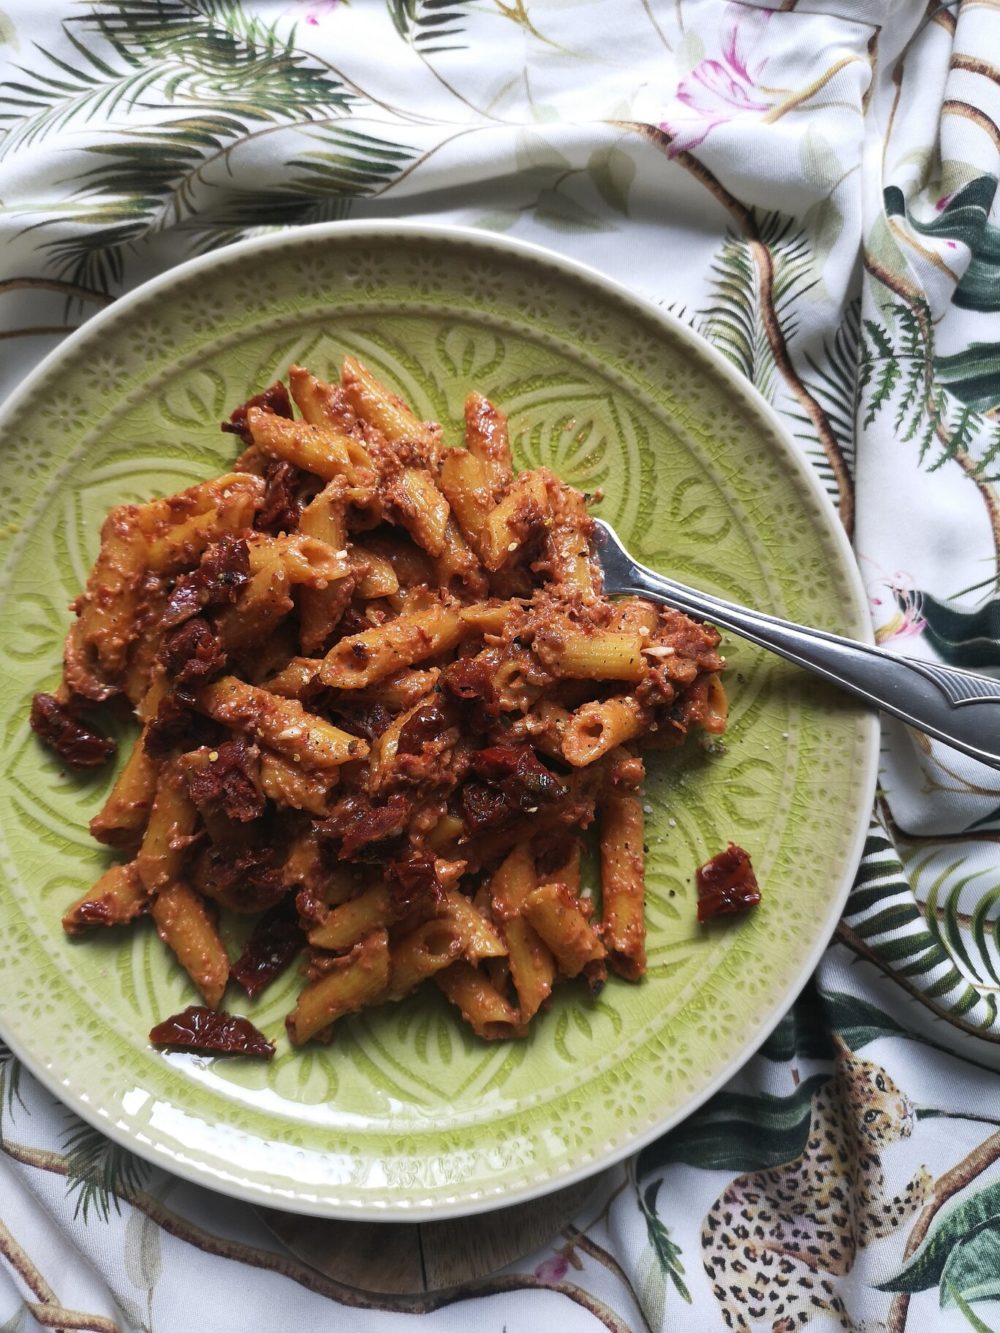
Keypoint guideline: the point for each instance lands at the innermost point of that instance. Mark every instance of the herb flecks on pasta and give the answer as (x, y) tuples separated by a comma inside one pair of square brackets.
[(382, 696)]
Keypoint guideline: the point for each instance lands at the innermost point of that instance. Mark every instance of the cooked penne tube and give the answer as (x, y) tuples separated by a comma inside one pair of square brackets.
[(532, 966), (286, 784), (178, 537), (320, 612), (186, 926), (353, 920), (466, 483), (107, 610), (173, 819), (362, 659), (325, 516), (374, 403), (295, 678), (480, 1003), (555, 913), (325, 450), (569, 540), (596, 728), (319, 402), (487, 439), (413, 499), (480, 938), (623, 885), (519, 515), (457, 563), (117, 898), (634, 615), (261, 608), (432, 946), (597, 655), (376, 576), (401, 689), (486, 617), (445, 833), (308, 561), (123, 817), (283, 724), (358, 979)]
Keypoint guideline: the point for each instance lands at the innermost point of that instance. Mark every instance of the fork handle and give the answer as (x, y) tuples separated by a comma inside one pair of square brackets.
[(958, 707)]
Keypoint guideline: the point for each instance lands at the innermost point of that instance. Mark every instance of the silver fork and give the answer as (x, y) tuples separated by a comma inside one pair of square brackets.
[(958, 707)]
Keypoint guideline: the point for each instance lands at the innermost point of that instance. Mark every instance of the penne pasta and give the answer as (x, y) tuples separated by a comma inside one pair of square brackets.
[(283, 724), (365, 658), (557, 917), (122, 819), (353, 981), (173, 819), (324, 450), (623, 885), (481, 1005), (596, 728), (422, 953), (382, 698), (520, 515), (117, 898), (186, 926), (532, 966), (487, 440)]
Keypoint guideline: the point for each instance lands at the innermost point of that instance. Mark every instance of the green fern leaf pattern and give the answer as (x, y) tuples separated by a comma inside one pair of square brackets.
[(10, 1090), (227, 75), (431, 26), (731, 321), (883, 913), (99, 1171), (668, 1254), (833, 381)]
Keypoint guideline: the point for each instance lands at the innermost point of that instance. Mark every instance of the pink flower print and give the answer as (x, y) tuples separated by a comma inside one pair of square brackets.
[(718, 91), (317, 10), (551, 1271), (903, 616), (910, 622)]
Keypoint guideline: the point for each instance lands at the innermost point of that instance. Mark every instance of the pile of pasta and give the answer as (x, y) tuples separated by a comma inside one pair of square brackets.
[(382, 697)]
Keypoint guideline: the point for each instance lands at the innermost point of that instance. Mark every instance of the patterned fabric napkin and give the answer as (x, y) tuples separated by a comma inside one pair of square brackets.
[(812, 186)]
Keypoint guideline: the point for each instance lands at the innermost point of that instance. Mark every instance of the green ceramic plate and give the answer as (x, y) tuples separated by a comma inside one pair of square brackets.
[(406, 1115)]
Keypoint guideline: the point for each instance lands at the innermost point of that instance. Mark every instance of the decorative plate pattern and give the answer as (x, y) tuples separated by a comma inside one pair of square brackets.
[(407, 1115)]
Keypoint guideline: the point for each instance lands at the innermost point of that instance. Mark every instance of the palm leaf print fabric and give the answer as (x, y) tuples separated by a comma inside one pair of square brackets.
[(812, 186)]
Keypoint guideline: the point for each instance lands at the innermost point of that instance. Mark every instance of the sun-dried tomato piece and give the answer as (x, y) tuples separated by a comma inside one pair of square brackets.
[(426, 725), (199, 1029), (275, 940), (358, 823), (177, 726), (73, 741), (229, 782), (275, 399), (244, 879), (282, 505), (514, 782), (414, 888), (222, 574), (362, 719), (193, 652), (472, 678), (726, 883)]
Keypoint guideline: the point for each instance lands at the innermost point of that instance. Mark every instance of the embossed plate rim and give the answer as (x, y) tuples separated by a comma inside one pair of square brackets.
[(260, 1190)]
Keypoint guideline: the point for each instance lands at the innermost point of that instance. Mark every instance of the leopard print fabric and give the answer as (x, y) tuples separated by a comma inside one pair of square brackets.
[(775, 1239)]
